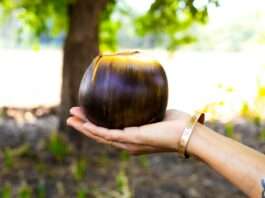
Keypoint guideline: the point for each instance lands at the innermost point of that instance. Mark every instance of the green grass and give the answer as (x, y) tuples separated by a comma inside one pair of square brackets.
[(40, 167), (122, 184), (6, 191), (124, 156), (79, 168), (229, 129), (10, 155), (82, 192), (262, 134), (24, 191), (144, 162), (257, 121), (58, 147), (41, 190), (8, 159), (58, 161)]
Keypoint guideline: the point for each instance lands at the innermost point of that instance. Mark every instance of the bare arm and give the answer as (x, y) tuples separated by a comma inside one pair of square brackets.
[(241, 165)]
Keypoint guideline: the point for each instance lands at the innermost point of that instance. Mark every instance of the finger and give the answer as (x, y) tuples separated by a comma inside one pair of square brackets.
[(142, 149), (163, 134), (132, 148), (138, 149), (128, 135), (131, 136), (101, 131), (77, 111), (78, 125), (156, 135), (111, 139)]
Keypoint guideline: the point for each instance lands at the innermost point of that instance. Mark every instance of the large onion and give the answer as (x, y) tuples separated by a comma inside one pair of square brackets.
[(124, 89)]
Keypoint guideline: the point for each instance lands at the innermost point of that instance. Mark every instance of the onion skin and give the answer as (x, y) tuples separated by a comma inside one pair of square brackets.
[(124, 89)]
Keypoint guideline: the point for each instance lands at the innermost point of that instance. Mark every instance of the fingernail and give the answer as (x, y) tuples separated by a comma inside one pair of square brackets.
[(68, 121), (71, 110)]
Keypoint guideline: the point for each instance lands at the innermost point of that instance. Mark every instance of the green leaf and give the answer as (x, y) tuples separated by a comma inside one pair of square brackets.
[(168, 21), (82, 192), (58, 147), (171, 21), (6, 191), (109, 28), (24, 191), (38, 17), (229, 129), (79, 169)]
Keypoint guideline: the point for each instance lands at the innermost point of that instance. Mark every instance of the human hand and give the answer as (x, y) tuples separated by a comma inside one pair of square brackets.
[(151, 138)]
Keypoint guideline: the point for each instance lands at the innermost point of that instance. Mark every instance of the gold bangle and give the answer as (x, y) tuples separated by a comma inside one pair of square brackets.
[(186, 134)]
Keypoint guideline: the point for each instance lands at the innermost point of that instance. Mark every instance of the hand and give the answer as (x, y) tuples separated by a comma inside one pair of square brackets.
[(151, 138)]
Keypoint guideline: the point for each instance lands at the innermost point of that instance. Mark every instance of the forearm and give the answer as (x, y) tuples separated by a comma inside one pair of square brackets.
[(241, 165)]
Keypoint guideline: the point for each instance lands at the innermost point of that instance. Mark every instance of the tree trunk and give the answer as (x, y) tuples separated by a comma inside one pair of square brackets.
[(81, 45)]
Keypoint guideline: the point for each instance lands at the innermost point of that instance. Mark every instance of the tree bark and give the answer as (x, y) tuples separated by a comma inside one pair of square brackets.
[(81, 45)]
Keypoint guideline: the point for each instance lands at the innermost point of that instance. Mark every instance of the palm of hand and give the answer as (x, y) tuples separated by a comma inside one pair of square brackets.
[(151, 138)]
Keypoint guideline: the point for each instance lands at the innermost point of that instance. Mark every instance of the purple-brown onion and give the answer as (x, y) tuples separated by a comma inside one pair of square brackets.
[(124, 89)]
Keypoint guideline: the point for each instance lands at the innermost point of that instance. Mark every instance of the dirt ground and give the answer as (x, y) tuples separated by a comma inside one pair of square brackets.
[(107, 172)]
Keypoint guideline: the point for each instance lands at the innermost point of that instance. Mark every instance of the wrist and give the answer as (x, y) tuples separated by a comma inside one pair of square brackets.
[(180, 125), (187, 133), (198, 141)]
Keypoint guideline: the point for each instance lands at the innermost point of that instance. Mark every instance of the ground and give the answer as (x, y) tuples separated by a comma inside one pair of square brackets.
[(37, 162)]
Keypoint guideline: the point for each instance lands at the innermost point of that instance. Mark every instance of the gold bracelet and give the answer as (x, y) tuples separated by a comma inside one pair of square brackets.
[(186, 134)]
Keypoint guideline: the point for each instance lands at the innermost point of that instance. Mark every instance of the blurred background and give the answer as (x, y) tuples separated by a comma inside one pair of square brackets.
[(45, 47)]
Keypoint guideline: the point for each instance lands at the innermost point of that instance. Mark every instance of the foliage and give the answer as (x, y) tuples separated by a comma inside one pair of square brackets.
[(8, 158), (57, 146), (246, 111), (82, 192), (103, 160), (262, 134), (144, 162), (6, 191), (260, 99), (40, 167), (109, 28), (38, 17), (56, 179), (79, 168), (167, 20), (124, 156), (24, 191), (256, 111), (41, 190), (10, 154), (123, 184), (229, 129)]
